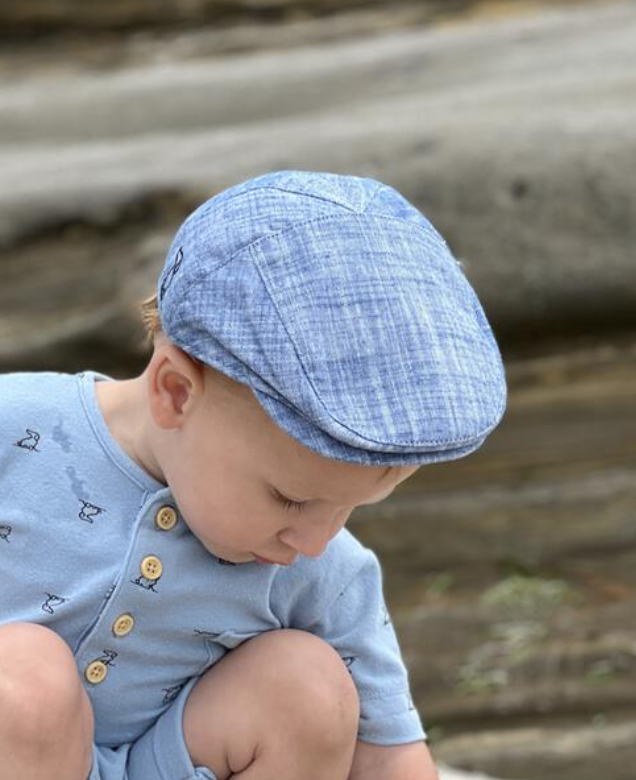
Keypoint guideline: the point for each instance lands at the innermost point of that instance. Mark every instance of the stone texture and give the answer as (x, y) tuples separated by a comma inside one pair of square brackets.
[(511, 577), (64, 16), (553, 754), (523, 160)]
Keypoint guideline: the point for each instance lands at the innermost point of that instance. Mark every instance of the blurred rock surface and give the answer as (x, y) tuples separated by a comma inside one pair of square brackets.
[(516, 137), (511, 577), (46, 18)]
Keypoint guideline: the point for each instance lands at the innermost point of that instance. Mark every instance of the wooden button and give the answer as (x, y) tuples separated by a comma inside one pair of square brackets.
[(96, 672), (166, 518), (151, 567), (123, 625)]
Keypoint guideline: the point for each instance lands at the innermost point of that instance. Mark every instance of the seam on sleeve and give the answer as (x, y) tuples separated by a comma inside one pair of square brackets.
[(382, 693)]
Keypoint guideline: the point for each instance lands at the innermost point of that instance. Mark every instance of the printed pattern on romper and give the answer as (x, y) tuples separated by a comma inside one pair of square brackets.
[(32, 442), (203, 645)]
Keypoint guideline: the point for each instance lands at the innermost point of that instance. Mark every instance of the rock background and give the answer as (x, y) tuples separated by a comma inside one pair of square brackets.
[(63, 17), (514, 135), (510, 574), (511, 577)]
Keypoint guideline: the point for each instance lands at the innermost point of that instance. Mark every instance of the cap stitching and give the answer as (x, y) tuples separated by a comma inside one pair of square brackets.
[(373, 197), (266, 185), (450, 449), (203, 273), (410, 442), (315, 197), (277, 234)]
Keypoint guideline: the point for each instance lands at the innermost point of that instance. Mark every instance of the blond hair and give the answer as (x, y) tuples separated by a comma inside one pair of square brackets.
[(150, 317), (151, 320)]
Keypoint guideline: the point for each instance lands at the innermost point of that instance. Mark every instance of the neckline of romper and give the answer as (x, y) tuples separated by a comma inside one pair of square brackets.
[(86, 381)]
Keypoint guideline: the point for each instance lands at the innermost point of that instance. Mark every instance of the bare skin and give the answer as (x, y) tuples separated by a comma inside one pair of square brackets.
[(268, 717), (46, 716), (226, 461), (256, 714), (259, 715)]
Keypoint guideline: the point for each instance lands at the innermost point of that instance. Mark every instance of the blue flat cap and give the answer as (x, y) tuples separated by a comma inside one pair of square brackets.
[(342, 308)]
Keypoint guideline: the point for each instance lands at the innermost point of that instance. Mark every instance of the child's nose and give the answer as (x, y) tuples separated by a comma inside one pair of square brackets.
[(311, 546)]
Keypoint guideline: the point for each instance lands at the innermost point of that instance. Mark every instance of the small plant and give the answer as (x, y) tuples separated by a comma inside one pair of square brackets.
[(522, 593), (439, 583)]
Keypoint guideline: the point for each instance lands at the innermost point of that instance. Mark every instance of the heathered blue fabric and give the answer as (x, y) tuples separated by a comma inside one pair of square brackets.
[(344, 310), (77, 516)]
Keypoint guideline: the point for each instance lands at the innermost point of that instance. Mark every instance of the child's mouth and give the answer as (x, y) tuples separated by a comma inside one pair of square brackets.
[(261, 560)]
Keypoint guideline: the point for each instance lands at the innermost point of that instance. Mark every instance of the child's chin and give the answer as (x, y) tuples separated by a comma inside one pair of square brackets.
[(227, 556)]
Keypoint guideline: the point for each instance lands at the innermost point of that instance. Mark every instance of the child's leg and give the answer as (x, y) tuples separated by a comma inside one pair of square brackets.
[(46, 718), (279, 707)]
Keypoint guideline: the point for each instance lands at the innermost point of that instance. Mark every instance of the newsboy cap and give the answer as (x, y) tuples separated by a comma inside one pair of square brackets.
[(343, 309)]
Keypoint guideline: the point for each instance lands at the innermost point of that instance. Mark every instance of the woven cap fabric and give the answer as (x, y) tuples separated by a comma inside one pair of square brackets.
[(343, 309)]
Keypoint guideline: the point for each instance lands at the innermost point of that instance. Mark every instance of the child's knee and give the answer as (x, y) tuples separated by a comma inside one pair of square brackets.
[(40, 685), (307, 676), (285, 688)]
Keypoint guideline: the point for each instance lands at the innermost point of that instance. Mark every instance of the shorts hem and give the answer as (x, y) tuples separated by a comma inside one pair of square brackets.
[(159, 754)]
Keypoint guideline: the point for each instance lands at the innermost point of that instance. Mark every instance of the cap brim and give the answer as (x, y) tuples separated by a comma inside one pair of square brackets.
[(307, 434)]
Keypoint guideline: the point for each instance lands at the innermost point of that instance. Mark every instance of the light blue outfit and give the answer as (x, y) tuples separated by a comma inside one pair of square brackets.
[(78, 517)]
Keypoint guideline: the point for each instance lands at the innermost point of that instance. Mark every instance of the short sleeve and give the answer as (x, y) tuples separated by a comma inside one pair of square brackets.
[(358, 626)]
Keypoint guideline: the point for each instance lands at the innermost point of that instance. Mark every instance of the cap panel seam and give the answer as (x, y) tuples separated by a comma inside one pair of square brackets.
[(209, 205), (245, 193), (266, 185), (373, 197), (202, 274), (315, 197), (411, 442)]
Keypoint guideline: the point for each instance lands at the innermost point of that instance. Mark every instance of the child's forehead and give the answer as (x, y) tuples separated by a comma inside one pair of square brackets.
[(316, 477), (277, 456)]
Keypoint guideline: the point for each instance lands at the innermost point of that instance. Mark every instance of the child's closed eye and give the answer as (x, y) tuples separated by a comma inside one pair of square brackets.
[(289, 503)]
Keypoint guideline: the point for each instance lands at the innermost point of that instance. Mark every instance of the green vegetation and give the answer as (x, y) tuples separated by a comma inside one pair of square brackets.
[(528, 594)]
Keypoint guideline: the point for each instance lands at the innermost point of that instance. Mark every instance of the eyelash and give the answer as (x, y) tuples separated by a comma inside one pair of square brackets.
[(288, 503)]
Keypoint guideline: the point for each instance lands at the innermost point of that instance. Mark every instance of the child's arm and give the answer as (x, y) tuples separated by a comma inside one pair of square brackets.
[(353, 618), (396, 762)]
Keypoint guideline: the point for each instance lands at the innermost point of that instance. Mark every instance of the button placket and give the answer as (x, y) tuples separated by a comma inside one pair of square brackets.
[(151, 567)]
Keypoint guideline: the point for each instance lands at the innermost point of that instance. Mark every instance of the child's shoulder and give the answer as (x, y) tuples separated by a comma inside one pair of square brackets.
[(32, 406), (38, 400), (342, 561), (22, 388), (310, 590)]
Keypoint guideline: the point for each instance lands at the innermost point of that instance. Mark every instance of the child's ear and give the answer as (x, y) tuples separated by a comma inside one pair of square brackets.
[(175, 383)]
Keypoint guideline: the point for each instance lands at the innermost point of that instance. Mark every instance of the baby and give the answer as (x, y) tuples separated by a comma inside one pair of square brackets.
[(181, 599)]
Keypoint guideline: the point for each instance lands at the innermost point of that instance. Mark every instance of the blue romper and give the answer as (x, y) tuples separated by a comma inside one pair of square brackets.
[(94, 548)]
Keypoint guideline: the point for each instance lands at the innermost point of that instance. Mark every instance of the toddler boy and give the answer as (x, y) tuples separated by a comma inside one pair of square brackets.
[(180, 597)]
